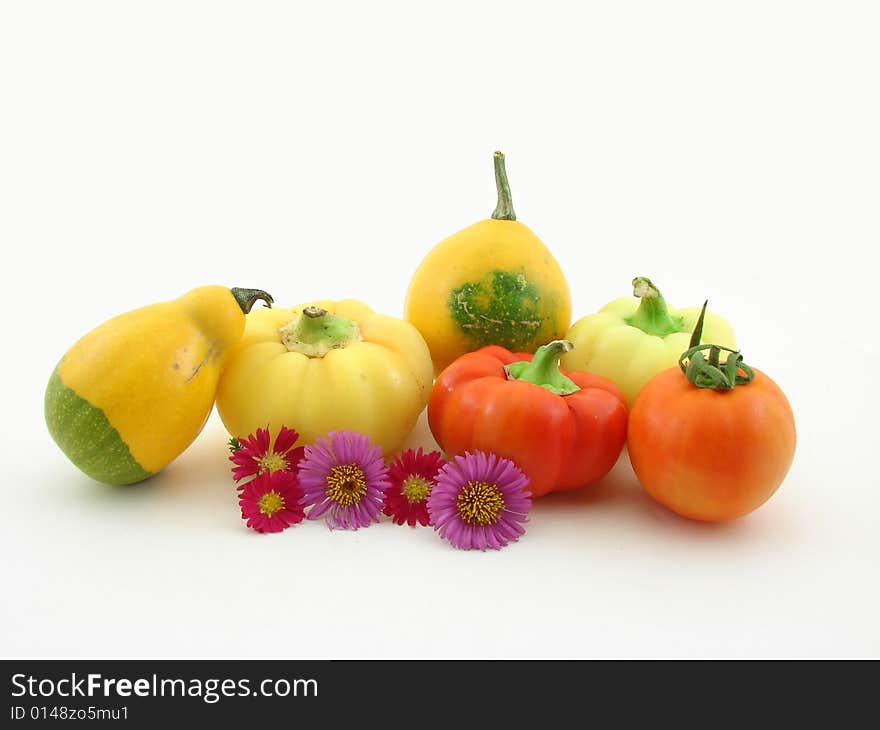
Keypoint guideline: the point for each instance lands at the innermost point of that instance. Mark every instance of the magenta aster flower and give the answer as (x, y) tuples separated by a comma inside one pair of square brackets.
[(479, 501), (271, 501), (343, 476), (412, 476), (253, 455)]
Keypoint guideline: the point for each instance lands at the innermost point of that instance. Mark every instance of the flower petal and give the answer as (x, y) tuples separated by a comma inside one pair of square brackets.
[(285, 440)]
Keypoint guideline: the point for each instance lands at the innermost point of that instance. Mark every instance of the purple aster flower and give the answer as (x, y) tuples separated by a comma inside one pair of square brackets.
[(479, 501), (343, 476)]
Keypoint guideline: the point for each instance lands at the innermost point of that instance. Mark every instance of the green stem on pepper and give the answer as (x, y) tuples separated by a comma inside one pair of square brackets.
[(315, 332), (652, 316), (543, 370)]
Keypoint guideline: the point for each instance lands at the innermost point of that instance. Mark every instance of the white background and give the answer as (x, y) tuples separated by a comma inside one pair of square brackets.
[(318, 150)]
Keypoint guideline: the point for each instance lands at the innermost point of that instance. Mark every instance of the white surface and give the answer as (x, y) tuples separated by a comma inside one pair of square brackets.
[(728, 151)]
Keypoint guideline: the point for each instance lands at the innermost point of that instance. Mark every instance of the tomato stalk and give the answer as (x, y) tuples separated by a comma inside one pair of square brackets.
[(652, 316), (504, 209), (246, 298), (543, 370), (710, 372), (315, 332)]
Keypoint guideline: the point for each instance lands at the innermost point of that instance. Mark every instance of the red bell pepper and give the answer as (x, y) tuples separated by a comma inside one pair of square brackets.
[(563, 429)]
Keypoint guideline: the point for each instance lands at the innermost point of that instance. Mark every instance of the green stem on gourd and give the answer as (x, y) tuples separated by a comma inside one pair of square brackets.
[(314, 332), (246, 298), (543, 370), (504, 209), (710, 372), (652, 316)]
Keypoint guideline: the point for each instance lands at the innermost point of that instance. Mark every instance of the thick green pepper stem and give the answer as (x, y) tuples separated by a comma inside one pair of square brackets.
[(246, 298), (652, 316), (315, 332), (504, 209), (543, 370)]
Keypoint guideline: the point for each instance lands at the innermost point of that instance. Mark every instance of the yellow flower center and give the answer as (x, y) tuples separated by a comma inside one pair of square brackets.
[(415, 489), (346, 484), (272, 462), (479, 503), (270, 503)]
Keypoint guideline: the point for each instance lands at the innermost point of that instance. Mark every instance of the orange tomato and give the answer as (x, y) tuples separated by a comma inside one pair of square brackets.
[(711, 455)]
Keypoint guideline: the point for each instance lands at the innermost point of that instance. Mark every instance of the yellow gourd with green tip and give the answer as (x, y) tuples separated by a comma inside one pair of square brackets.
[(133, 393), (492, 283)]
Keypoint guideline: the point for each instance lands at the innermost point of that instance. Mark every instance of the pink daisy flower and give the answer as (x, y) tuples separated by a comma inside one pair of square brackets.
[(412, 476), (253, 455), (343, 476), (271, 501), (479, 502)]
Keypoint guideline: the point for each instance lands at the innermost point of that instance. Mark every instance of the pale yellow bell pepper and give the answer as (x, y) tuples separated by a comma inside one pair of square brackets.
[(327, 366), (632, 339)]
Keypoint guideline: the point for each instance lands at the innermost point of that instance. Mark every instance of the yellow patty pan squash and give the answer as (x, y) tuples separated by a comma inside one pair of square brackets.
[(632, 339), (134, 392), (492, 283), (326, 366)]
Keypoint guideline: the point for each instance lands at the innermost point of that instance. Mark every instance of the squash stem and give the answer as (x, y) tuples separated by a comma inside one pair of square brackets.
[(246, 298), (504, 209)]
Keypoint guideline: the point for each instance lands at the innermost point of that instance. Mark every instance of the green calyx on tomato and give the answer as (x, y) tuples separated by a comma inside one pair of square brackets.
[(543, 370), (708, 371)]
